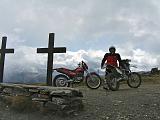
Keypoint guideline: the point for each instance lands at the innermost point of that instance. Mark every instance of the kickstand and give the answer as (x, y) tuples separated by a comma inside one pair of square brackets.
[(72, 84)]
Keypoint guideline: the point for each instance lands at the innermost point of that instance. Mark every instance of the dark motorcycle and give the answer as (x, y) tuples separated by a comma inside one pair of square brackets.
[(122, 73), (77, 75)]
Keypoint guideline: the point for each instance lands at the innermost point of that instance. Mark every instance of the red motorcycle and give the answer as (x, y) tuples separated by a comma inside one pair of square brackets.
[(77, 75)]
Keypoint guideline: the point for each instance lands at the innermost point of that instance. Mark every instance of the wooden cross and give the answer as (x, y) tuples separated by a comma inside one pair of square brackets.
[(51, 50), (3, 51)]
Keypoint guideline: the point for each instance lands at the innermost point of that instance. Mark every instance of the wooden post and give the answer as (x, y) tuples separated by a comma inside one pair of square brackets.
[(51, 50), (3, 51)]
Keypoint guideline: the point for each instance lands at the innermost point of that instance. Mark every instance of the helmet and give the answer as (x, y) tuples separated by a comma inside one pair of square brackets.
[(112, 49)]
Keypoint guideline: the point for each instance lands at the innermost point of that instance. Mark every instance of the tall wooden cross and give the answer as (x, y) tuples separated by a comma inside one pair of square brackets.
[(3, 51), (51, 50)]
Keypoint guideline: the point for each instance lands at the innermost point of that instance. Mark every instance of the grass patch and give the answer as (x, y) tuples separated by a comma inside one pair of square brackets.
[(151, 78)]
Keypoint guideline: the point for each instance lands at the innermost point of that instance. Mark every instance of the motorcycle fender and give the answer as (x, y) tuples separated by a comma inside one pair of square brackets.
[(63, 75), (92, 73)]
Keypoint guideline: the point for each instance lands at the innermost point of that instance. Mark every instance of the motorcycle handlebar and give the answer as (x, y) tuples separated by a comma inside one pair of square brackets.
[(129, 60)]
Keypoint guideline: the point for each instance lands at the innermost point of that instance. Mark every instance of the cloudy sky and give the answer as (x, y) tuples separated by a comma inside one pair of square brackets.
[(86, 27)]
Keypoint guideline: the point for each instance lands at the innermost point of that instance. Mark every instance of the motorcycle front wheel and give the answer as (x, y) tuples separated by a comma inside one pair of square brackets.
[(112, 82), (134, 80), (61, 81), (93, 80)]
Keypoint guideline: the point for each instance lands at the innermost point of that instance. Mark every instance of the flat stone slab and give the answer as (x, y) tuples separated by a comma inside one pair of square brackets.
[(52, 91)]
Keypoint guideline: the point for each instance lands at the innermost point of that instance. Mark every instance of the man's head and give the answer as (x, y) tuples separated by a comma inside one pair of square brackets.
[(112, 49)]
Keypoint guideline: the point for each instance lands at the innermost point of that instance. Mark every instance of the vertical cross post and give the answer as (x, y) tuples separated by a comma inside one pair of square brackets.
[(3, 51), (51, 50)]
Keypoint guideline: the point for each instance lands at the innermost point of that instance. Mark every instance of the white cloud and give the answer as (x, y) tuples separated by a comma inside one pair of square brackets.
[(86, 27), (90, 22)]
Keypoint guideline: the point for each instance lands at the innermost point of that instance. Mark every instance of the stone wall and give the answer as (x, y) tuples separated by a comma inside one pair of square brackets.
[(44, 98)]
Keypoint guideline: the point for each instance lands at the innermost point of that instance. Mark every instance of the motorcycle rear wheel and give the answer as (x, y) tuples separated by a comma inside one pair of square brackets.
[(61, 81), (93, 80)]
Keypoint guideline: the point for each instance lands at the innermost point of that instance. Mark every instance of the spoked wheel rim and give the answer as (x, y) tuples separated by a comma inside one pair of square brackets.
[(61, 82), (134, 80), (113, 84), (93, 81)]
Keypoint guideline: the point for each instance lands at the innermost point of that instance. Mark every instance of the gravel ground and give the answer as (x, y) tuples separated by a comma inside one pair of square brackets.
[(126, 104)]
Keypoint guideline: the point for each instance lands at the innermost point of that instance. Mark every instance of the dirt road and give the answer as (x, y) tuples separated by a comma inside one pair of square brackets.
[(126, 104)]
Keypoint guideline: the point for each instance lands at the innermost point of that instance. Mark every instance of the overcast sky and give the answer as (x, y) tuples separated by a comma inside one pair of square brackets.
[(86, 27)]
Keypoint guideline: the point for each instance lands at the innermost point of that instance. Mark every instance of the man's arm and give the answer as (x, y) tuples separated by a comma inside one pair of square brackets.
[(119, 58), (103, 60)]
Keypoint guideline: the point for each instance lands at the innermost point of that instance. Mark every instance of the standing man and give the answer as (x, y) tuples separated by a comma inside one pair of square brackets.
[(111, 58)]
